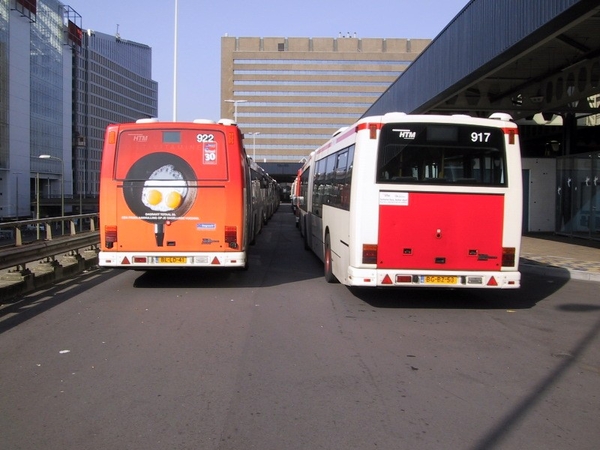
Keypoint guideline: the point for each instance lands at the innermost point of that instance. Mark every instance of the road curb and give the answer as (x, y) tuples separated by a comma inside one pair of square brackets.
[(559, 272)]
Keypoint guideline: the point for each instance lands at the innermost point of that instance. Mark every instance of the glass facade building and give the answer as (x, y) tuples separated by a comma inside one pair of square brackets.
[(49, 104), (34, 101), (4, 13), (59, 88), (292, 94)]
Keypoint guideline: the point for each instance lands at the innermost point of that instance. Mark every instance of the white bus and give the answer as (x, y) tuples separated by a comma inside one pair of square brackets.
[(416, 201)]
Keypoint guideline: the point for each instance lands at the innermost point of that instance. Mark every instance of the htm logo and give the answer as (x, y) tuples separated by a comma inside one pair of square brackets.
[(405, 134)]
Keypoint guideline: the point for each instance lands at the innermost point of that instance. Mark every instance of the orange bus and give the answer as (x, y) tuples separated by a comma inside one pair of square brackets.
[(175, 194)]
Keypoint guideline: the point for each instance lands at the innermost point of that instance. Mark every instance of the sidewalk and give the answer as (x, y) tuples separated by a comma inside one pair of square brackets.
[(547, 253)]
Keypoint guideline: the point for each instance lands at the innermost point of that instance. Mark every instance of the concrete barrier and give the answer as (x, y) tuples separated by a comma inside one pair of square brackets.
[(15, 284)]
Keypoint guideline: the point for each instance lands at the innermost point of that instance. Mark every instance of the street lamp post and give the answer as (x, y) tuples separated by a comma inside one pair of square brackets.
[(254, 144), (62, 186), (235, 104)]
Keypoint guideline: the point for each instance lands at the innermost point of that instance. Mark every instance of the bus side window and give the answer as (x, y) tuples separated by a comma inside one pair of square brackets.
[(318, 186), (329, 178), (339, 177), (345, 194)]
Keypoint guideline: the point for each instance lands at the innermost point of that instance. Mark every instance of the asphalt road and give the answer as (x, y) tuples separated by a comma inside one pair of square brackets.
[(276, 358)]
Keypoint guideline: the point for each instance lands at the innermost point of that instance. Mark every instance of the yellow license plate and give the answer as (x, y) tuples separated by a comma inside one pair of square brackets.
[(172, 260), (440, 279)]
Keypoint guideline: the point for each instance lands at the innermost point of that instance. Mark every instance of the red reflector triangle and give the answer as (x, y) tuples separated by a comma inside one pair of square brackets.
[(125, 261), (215, 260), (492, 282), (386, 280)]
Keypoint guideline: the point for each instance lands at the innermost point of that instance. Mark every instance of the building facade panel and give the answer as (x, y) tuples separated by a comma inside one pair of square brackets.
[(114, 86), (59, 89), (296, 92), (4, 12)]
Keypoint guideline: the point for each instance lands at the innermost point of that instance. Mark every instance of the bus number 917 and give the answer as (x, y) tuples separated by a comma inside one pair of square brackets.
[(480, 137)]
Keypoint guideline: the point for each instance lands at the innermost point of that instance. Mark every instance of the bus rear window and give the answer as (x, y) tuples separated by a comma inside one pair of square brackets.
[(439, 153), (156, 154)]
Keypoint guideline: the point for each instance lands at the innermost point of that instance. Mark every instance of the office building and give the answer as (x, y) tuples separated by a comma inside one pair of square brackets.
[(289, 95), (35, 103), (59, 88), (112, 84)]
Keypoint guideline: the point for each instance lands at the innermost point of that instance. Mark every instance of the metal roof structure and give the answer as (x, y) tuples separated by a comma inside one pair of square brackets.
[(515, 56)]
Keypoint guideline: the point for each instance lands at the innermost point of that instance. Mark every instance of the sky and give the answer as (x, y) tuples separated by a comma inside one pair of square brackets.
[(201, 25)]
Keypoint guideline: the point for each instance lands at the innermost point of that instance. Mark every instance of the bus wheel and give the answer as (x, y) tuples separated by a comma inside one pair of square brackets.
[(329, 276)]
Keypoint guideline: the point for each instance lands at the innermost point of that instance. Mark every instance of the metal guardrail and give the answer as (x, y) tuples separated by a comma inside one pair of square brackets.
[(24, 242)]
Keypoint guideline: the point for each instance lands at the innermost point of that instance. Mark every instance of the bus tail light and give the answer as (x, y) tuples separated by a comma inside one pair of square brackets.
[(110, 235), (373, 131), (372, 127), (508, 256), (512, 134), (369, 254), (231, 237), (404, 279)]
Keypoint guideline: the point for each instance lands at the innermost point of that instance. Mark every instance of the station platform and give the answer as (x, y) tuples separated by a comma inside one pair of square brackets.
[(551, 254)]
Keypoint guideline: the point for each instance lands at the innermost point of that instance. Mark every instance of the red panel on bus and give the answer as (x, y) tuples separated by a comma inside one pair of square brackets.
[(441, 231)]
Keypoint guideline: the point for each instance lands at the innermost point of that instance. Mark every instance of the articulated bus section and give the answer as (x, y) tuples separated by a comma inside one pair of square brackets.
[(178, 195), (416, 201)]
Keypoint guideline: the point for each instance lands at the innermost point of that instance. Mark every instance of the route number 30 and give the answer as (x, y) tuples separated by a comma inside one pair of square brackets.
[(210, 153)]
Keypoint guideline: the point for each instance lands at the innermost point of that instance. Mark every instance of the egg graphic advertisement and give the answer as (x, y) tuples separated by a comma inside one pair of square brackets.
[(165, 189), (160, 188)]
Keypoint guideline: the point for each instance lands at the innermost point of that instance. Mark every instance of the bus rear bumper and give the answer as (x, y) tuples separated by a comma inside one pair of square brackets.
[(144, 260), (430, 279)]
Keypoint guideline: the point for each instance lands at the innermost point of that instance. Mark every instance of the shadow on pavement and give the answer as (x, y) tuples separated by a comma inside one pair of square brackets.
[(534, 288), (31, 305)]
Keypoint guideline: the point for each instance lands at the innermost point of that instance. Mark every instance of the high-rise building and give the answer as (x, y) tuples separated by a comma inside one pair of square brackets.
[(4, 34), (290, 94), (35, 103), (112, 83), (59, 88)]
